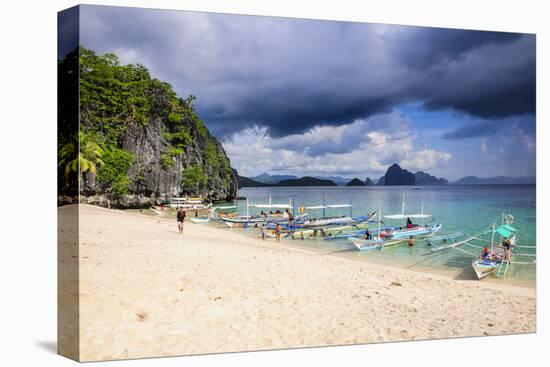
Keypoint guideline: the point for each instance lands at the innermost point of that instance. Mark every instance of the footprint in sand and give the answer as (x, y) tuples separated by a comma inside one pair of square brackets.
[(142, 316)]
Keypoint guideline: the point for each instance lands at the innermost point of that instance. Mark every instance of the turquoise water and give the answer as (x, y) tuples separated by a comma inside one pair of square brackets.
[(470, 209)]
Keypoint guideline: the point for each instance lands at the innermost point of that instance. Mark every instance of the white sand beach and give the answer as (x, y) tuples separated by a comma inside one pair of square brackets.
[(145, 291)]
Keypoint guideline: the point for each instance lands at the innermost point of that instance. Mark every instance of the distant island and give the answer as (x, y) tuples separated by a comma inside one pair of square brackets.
[(396, 175), (266, 178), (307, 181), (355, 182), (303, 181)]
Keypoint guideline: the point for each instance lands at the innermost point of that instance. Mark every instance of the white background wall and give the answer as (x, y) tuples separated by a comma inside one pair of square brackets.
[(28, 189)]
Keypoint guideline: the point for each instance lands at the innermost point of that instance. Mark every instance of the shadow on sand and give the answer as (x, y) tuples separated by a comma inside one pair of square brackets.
[(466, 274)]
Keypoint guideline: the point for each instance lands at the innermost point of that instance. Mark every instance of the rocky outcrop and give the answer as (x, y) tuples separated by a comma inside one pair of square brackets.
[(355, 182), (122, 202), (425, 179), (148, 175), (396, 176), (369, 182)]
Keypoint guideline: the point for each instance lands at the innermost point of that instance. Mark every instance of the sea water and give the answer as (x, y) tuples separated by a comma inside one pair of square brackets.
[(468, 209)]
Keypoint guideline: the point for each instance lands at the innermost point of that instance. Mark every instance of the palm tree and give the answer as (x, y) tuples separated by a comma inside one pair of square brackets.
[(85, 159)]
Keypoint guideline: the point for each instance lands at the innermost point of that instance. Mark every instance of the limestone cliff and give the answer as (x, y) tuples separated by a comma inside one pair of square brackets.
[(395, 175), (137, 138)]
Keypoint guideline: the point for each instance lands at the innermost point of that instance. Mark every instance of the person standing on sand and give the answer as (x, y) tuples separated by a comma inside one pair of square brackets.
[(278, 232), (290, 217), (368, 236), (508, 245), (180, 218), (262, 230)]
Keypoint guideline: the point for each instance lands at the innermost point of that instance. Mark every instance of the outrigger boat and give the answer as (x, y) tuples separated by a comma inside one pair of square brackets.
[(216, 212), (499, 258), (377, 243), (325, 220), (226, 207), (248, 220), (325, 232), (196, 204), (442, 243), (328, 228), (357, 232), (496, 261), (200, 220), (312, 233), (410, 229), (302, 227)]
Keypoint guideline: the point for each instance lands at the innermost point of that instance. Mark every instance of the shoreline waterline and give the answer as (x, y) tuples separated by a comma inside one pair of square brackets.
[(463, 275), (344, 250), (469, 209), (347, 252)]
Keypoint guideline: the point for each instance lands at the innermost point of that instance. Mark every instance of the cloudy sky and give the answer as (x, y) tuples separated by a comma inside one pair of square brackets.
[(311, 97)]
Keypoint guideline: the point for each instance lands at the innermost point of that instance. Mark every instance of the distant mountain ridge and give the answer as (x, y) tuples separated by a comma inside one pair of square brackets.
[(395, 175), (499, 180), (272, 179), (248, 182)]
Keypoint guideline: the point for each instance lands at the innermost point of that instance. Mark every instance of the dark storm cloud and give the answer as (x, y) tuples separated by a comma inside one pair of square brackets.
[(471, 130), (428, 46), (524, 124), (293, 74)]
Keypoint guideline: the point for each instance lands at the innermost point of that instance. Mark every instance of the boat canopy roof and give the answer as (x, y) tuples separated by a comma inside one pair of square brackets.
[(509, 228), (405, 216), (330, 206), (269, 206), (504, 232), (225, 207)]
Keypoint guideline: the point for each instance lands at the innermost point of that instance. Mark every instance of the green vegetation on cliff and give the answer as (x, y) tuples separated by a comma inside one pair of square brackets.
[(113, 176), (138, 137), (193, 178)]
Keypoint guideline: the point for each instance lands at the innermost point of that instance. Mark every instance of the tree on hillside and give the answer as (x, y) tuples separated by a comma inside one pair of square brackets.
[(193, 179), (81, 158)]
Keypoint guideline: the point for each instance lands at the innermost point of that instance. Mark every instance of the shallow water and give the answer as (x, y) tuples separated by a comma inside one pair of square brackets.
[(470, 209)]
